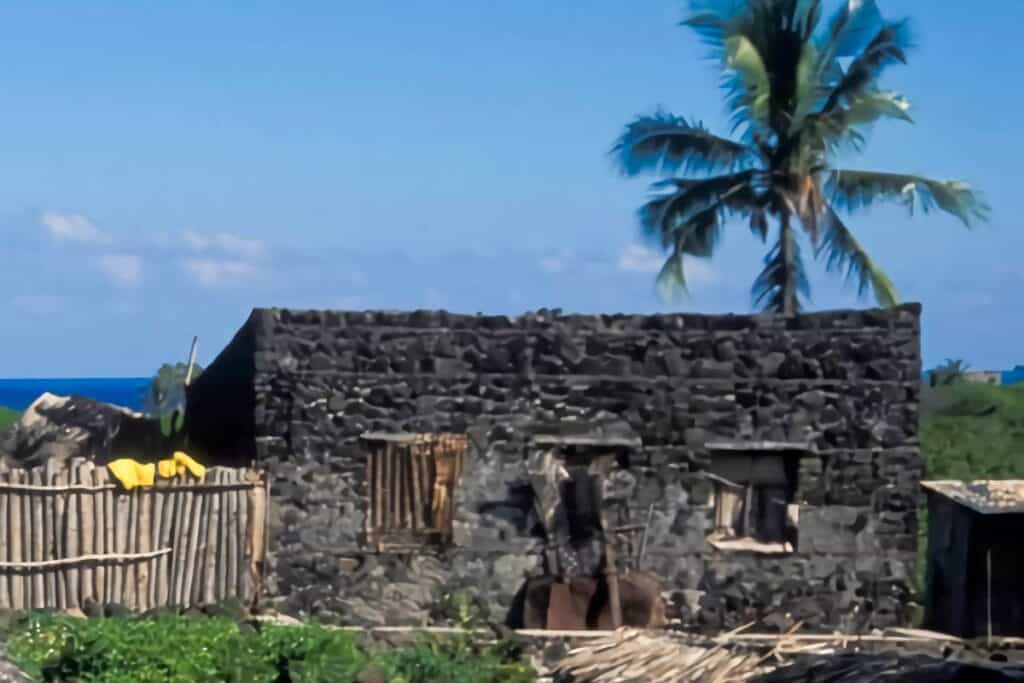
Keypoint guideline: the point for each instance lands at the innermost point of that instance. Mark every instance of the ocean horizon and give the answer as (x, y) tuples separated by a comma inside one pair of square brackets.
[(19, 393)]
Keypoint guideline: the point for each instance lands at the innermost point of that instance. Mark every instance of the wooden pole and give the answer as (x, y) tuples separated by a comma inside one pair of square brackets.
[(611, 574), (643, 539), (191, 361), (611, 569)]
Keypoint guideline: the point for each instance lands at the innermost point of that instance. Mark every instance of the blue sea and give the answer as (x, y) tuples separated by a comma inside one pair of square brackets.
[(123, 391)]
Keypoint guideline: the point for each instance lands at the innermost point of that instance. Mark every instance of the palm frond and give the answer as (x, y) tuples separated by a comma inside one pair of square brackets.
[(851, 28), (758, 45), (851, 190), (844, 254), (778, 287), (664, 143), (690, 218), (671, 280), (759, 223), (888, 47), (829, 132)]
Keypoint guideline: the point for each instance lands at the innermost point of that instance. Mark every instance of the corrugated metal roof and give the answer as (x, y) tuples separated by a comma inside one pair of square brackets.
[(989, 497)]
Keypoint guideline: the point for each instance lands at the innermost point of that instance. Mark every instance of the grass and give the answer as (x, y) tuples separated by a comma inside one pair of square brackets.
[(183, 649), (8, 417)]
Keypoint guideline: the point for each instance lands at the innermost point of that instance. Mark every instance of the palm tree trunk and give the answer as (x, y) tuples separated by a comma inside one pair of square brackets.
[(791, 273)]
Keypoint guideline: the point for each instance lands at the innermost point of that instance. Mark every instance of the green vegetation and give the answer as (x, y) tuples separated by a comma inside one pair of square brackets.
[(166, 393), (795, 110), (969, 431), (8, 417), (951, 372), (973, 431), (180, 649)]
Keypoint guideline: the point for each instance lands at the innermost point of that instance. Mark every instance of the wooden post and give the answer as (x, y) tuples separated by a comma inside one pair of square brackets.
[(988, 567), (191, 361), (643, 539), (611, 568), (611, 573)]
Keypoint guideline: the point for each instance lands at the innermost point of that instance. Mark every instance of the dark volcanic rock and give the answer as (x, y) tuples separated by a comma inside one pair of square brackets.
[(841, 381)]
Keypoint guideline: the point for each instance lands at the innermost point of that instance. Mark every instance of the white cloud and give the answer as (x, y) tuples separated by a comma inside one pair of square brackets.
[(124, 270), (233, 245), (217, 272), (552, 264), (72, 227), (638, 259)]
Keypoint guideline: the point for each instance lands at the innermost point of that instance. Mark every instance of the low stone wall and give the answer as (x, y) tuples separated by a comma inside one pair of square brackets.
[(846, 382)]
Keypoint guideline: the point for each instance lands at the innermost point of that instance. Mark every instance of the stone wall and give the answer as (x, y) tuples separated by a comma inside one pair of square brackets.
[(848, 382)]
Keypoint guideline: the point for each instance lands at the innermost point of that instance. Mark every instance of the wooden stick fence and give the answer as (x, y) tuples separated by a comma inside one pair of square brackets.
[(72, 535)]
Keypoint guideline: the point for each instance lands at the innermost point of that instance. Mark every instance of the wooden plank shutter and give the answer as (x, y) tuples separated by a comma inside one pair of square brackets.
[(412, 485)]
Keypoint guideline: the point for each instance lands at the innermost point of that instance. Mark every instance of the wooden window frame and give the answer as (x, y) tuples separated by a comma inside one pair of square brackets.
[(411, 484), (745, 534)]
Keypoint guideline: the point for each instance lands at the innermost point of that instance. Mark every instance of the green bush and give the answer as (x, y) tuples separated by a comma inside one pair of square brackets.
[(8, 418), (208, 649)]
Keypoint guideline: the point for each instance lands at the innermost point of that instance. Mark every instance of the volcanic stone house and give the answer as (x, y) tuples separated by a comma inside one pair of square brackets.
[(974, 557), (771, 465)]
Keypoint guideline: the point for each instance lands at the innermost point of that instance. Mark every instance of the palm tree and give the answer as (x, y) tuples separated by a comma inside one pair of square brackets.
[(794, 108)]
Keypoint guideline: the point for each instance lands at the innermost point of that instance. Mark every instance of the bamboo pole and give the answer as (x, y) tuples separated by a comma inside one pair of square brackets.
[(109, 535), (47, 503), (156, 541), (121, 505), (131, 537), (14, 542), (257, 517), (85, 531), (26, 539), (5, 592), (418, 517), (212, 549), (242, 534), (60, 525), (39, 596), (197, 542), (182, 558), (165, 505), (395, 494), (231, 540), (143, 544), (99, 529), (377, 461), (265, 533), (71, 538), (99, 535), (408, 497), (84, 559)]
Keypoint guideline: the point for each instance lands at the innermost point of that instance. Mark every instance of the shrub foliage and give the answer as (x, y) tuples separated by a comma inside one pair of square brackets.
[(182, 649)]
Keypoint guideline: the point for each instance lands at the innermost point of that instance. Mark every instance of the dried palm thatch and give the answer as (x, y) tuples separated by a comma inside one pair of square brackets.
[(630, 656)]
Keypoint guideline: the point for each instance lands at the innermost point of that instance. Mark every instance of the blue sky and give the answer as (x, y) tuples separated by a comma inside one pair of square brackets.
[(169, 166)]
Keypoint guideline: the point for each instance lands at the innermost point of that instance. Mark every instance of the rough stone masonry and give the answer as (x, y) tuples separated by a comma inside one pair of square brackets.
[(295, 390)]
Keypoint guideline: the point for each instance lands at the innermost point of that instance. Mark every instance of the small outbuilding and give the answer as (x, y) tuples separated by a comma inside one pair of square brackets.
[(974, 585)]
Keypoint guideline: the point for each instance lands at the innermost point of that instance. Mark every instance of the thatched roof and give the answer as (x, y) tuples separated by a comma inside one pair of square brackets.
[(900, 656)]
